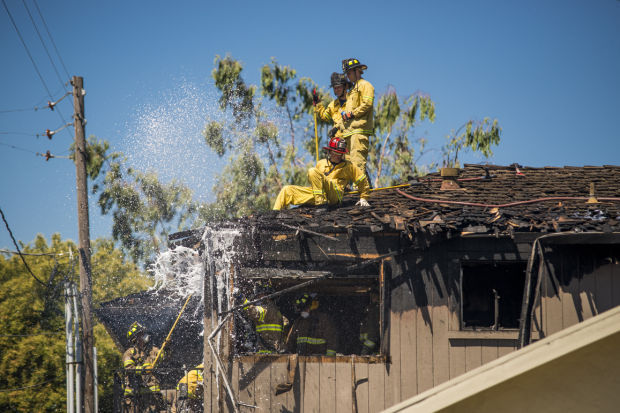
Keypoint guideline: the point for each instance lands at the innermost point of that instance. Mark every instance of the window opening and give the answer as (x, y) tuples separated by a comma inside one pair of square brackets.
[(349, 311), (492, 294)]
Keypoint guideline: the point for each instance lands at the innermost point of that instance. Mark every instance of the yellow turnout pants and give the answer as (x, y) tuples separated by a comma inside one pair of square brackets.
[(322, 189), (358, 150)]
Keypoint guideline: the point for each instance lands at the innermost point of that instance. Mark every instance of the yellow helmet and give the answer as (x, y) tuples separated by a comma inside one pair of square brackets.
[(135, 329)]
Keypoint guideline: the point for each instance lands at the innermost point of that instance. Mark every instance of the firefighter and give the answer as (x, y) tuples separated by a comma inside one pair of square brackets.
[(328, 179), (357, 116), (331, 114), (369, 327), (314, 331), (142, 392), (190, 393), (268, 321)]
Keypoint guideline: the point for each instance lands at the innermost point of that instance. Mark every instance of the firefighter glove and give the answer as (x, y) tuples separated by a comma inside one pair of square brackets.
[(332, 132), (315, 97), (363, 203), (346, 115)]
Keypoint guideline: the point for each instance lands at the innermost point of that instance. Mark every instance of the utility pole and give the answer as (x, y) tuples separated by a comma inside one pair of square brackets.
[(84, 241)]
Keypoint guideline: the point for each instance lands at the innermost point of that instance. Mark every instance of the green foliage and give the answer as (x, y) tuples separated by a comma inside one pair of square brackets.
[(144, 210), (32, 343), (391, 157), (479, 136), (235, 94)]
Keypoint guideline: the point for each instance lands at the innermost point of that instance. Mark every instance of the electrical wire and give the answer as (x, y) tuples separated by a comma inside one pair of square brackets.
[(51, 38), (50, 254), (26, 387), (47, 155), (36, 68), (42, 42), (17, 246), (47, 333)]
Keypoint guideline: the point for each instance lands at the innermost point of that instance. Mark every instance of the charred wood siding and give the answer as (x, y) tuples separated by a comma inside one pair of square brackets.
[(423, 343)]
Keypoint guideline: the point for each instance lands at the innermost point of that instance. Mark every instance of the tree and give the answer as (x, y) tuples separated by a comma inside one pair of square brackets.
[(258, 162), (144, 210), (250, 131), (32, 344)]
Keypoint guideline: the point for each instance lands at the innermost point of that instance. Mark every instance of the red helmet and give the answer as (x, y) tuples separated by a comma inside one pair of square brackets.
[(337, 145)]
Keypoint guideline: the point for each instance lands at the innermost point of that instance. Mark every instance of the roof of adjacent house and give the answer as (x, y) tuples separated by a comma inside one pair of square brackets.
[(489, 199)]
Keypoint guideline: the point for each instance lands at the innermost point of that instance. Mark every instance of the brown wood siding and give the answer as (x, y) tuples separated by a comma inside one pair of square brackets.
[(578, 283)]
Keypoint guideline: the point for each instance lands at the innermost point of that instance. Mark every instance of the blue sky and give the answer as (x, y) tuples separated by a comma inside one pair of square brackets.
[(547, 70)]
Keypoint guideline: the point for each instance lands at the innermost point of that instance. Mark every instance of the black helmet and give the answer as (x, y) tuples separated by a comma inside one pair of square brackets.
[(134, 331), (263, 287), (348, 64), (338, 79)]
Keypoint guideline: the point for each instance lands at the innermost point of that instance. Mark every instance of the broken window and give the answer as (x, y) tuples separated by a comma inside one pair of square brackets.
[(492, 294), (349, 320)]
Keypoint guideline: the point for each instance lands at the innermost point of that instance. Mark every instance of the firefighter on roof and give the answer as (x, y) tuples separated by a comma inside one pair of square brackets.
[(267, 319), (328, 179), (357, 116), (313, 332), (142, 392), (332, 113)]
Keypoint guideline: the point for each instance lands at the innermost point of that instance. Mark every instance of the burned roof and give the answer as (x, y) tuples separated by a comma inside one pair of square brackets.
[(489, 199), (483, 199)]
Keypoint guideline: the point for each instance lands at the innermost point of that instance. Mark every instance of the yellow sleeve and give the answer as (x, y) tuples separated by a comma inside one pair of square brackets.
[(322, 112), (367, 98), (360, 180)]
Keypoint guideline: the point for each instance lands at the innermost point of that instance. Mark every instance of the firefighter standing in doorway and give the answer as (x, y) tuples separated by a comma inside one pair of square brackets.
[(357, 116), (267, 319), (328, 179), (142, 391), (314, 331)]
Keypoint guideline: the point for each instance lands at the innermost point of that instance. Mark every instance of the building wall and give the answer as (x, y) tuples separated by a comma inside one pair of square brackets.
[(422, 338), (578, 282)]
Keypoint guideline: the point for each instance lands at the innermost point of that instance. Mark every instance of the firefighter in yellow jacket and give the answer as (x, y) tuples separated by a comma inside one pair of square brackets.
[(357, 116), (142, 392), (314, 331), (190, 391), (268, 321), (332, 113), (328, 179)]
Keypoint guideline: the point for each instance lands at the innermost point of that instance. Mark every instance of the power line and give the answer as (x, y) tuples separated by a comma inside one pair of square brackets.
[(42, 42), (50, 254), (51, 38), (17, 246), (26, 387), (33, 335), (21, 133), (26, 48), (36, 68)]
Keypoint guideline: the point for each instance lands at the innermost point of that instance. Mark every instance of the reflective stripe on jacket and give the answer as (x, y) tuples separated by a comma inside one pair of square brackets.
[(331, 114), (269, 324), (343, 174), (360, 100), (313, 335)]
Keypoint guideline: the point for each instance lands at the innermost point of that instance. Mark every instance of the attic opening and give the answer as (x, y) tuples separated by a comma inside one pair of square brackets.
[(491, 295), (350, 305)]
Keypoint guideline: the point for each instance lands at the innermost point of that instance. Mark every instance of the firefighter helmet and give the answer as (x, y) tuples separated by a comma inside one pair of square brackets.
[(338, 79), (348, 64), (134, 331), (262, 287), (337, 145)]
